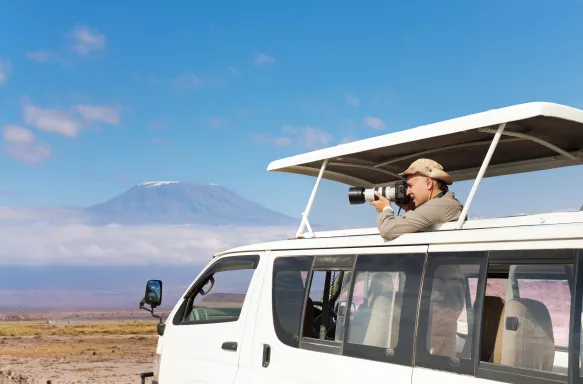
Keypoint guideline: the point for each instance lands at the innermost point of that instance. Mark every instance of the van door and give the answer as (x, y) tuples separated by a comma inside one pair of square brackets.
[(496, 315), (204, 337), (300, 337)]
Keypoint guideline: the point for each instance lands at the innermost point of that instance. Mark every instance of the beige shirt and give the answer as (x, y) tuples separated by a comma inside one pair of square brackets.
[(437, 210)]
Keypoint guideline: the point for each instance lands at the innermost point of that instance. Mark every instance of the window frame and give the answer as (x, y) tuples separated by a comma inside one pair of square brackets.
[(213, 268), (324, 261), (423, 358), (518, 375), (289, 339)]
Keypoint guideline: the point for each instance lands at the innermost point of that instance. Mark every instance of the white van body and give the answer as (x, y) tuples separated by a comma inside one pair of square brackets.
[(492, 300)]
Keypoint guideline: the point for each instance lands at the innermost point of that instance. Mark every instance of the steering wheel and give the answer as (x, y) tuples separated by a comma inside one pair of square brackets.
[(319, 318)]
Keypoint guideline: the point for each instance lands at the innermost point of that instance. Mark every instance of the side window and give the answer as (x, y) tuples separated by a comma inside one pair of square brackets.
[(330, 276), (449, 309), (379, 309), (362, 306), (532, 317), (289, 290), (385, 294), (220, 293), (324, 291), (526, 316), (446, 317)]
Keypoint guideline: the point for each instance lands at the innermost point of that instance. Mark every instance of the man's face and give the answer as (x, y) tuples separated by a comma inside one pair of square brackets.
[(419, 188)]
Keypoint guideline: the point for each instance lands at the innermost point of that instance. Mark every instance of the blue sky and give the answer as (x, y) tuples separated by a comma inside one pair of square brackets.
[(97, 97)]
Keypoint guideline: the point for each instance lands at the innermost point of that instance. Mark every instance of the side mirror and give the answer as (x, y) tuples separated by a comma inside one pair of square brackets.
[(210, 280), (153, 295)]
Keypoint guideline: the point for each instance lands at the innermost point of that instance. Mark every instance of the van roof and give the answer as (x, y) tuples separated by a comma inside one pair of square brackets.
[(537, 136), (525, 228)]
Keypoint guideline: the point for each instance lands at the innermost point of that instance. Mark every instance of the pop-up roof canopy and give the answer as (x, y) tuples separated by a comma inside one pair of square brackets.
[(521, 138), (536, 136)]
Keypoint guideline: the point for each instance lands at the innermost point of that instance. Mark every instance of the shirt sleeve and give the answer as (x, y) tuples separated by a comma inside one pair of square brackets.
[(391, 226)]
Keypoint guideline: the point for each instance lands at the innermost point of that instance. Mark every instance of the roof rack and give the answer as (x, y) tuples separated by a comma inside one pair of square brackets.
[(526, 137)]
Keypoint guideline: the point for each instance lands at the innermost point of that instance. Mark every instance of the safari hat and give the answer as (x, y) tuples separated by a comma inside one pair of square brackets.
[(430, 168)]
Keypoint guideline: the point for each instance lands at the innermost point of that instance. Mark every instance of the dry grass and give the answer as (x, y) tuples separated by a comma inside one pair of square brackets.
[(43, 329), (87, 351), (87, 342)]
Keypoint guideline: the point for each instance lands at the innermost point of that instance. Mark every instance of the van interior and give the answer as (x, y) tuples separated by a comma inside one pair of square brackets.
[(525, 322)]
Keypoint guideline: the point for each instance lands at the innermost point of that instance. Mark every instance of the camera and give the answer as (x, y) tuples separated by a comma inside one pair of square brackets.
[(397, 194)]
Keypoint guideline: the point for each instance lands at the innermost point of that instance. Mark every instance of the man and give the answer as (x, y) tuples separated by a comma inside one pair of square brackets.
[(431, 201)]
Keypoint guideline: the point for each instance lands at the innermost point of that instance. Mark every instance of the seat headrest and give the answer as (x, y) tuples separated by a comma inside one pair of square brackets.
[(528, 335), (382, 282)]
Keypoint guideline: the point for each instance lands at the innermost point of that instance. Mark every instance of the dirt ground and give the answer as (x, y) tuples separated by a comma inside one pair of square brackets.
[(82, 351)]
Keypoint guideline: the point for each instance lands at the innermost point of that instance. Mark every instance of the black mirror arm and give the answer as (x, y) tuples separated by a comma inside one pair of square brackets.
[(151, 310)]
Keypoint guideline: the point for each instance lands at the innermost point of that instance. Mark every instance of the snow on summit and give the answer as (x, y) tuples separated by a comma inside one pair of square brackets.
[(149, 184)]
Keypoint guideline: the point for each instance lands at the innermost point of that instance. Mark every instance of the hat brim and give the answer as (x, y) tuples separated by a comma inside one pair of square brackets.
[(437, 174)]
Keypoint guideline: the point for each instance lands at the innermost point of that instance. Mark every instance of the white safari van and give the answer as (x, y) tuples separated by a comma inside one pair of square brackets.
[(474, 301)]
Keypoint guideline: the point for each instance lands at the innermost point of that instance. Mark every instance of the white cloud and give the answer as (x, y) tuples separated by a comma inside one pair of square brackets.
[(17, 134), (305, 136), (279, 141), (313, 138), (80, 244), (109, 115), (374, 122), (5, 69), (85, 40), (234, 71), (21, 143), (264, 59), (352, 100), (41, 55), (51, 120)]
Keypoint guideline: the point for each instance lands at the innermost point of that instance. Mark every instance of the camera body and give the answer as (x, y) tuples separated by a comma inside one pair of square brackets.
[(396, 193)]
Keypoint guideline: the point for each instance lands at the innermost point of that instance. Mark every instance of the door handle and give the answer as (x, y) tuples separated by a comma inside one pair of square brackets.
[(266, 355), (229, 345)]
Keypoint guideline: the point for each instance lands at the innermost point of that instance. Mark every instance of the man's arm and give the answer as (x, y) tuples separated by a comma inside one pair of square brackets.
[(391, 226)]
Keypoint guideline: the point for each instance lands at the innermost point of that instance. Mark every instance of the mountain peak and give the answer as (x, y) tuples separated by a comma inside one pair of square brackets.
[(149, 184), (179, 203)]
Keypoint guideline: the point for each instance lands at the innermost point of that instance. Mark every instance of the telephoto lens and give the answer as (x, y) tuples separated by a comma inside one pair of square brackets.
[(397, 193), (359, 195)]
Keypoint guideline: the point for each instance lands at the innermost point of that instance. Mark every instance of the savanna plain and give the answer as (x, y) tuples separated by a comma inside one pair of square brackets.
[(76, 347)]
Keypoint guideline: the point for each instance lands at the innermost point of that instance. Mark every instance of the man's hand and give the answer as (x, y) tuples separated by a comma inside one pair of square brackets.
[(381, 203), (406, 207)]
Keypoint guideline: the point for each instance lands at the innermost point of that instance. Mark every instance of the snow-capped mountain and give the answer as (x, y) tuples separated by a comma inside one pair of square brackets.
[(173, 202)]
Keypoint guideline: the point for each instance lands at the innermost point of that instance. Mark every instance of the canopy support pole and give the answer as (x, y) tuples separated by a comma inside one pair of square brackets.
[(306, 213), (481, 172)]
